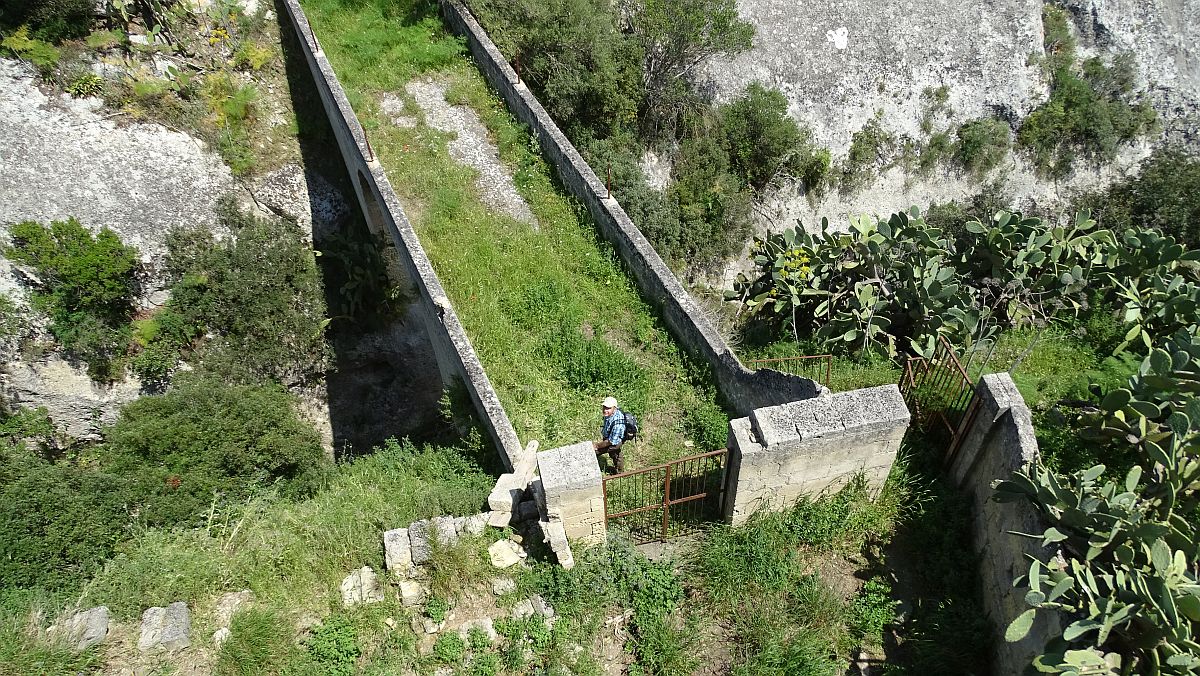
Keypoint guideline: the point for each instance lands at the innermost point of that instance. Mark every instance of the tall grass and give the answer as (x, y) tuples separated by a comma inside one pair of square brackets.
[(552, 315), (294, 554)]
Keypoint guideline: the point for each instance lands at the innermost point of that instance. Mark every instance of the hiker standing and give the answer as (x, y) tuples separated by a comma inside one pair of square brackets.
[(612, 434)]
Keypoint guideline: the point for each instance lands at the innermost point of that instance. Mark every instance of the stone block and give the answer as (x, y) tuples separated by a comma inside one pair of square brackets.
[(504, 553), (165, 628), (507, 493), (569, 468), (86, 628), (360, 586), (420, 547), (476, 523), (397, 552), (500, 518), (443, 526), (412, 593)]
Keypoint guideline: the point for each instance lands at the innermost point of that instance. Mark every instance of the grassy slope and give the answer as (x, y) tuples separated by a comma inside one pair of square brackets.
[(518, 291)]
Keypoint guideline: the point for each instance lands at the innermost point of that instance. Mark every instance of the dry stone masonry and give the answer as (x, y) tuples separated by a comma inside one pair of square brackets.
[(781, 453), (573, 491)]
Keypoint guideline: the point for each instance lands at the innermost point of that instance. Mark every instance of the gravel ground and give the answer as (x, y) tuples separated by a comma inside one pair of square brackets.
[(472, 146)]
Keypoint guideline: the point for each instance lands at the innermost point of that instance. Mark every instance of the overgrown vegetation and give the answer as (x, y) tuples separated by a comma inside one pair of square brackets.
[(1094, 106), (1123, 581), (622, 79), (86, 284), (1165, 195), (558, 325)]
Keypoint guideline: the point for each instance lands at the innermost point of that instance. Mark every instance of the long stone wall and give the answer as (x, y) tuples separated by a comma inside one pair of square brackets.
[(456, 357), (1000, 441), (745, 390), (781, 453)]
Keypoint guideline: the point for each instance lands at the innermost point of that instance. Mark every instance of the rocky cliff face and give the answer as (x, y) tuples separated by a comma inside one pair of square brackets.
[(842, 62)]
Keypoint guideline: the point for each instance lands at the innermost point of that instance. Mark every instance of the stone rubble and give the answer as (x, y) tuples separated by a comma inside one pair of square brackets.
[(359, 587), (504, 553), (85, 628)]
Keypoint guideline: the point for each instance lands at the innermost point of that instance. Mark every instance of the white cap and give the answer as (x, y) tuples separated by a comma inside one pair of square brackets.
[(609, 402)]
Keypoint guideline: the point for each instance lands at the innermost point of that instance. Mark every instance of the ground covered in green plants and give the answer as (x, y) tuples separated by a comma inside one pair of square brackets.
[(556, 322)]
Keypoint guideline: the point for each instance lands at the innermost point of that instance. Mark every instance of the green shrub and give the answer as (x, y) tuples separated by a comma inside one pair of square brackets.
[(1093, 108), (260, 642), (86, 84), (59, 523), (1165, 195), (259, 292), (665, 648), (87, 288), (982, 144), (870, 150), (762, 141), (872, 610), (436, 608), (714, 208), (205, 440), (334, 646), (486, 664), (449, 648)]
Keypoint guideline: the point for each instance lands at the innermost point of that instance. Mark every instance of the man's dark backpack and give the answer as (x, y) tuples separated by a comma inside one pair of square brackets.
[(631, 426)]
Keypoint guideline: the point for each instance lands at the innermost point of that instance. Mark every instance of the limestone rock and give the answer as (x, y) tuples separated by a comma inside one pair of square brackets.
[(419, 544), (231, 603), (431, 627), (304, 196), (540, 606), (397, 552), (167, 628), (86, 628), (504, 553), (220, 636), (523, 609), (484, 625), (412, 593), (503, 585), (361, 586), (444, 527), (476, 523)]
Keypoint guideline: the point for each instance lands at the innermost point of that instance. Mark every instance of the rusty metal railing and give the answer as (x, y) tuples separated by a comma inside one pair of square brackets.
[(668, 500), (940, 394), (818, 367)]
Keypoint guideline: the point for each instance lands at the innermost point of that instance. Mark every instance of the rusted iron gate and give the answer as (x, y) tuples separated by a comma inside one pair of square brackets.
[(818, 367), (940, 394), (668, 500)]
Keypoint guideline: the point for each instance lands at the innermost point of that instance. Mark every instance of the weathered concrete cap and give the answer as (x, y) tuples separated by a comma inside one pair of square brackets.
[(809, 418), (568, 468)]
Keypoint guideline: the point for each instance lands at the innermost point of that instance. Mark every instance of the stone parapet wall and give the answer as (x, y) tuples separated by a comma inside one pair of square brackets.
[(779, 453), (573, 491), (456, 357), (744, 389), (1001, 441)]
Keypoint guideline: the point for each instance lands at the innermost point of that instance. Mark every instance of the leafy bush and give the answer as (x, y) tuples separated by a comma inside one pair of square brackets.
[(1091, 111), (1123, 578), (59, 523), (87, 286), (714, 208), (334, 646), (982, 144), (1165, 196), (586, 72), (86, 84), (872, 610), (260, 641), (870, 149), (204, 439), (899, 284), (449, 648), (436, 609), (259, 292), (762, 141)]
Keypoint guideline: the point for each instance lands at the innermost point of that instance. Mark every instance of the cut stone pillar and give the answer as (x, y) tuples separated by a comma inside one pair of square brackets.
[(572, 487)]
